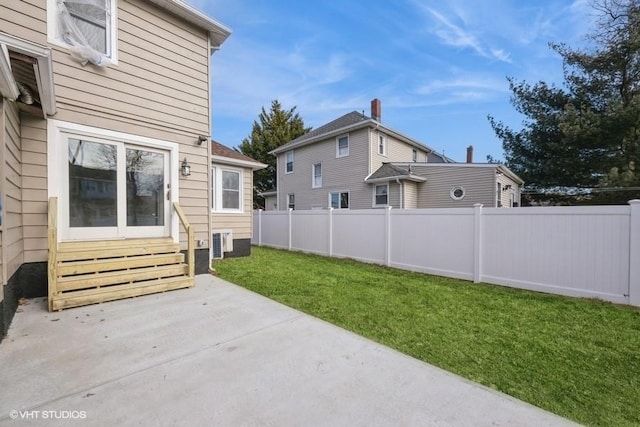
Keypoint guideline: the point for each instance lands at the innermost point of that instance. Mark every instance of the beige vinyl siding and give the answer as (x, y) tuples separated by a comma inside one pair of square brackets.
[(505, 195), (158, 89), (394, 195), (26, 19), (478, 183), (12, 230), (410, 195), (397, 151), (241, 224)]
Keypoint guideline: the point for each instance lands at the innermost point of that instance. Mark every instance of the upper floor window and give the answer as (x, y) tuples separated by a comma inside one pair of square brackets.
[(339, 200), (289, 162), (381, 195), (317, 176), (382, 145), (414, 155), (342, 146), (88, 28), (226, 189)]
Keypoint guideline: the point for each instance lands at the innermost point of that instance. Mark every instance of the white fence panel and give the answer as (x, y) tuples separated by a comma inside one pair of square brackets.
[(310, 231), (360, 234), (275, 228), (435, 241), (578, 251)]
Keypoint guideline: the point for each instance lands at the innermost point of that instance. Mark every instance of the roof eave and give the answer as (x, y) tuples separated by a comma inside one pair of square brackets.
[(414, 178), (237, 162), (218, 32)]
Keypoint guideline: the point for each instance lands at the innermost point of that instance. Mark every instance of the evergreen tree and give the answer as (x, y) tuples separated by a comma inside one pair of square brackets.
[(274, 128), (583, 139)]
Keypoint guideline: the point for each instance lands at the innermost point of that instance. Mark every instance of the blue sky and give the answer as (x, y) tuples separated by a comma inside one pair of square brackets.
[(439, 68)]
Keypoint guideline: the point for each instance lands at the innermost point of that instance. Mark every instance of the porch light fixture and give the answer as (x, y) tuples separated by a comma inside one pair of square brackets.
[(186, 168), (202, 139)]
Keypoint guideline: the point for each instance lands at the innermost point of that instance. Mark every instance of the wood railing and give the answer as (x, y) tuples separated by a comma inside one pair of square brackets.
[(191, 261), (52, 246)]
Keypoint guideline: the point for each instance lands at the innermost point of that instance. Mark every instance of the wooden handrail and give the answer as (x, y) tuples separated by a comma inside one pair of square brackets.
[(191, 261), (52, 246)]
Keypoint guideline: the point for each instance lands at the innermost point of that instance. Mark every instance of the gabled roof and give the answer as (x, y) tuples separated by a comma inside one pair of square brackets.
[(398, 170), (391, 172), (223, 154), (348, 122)]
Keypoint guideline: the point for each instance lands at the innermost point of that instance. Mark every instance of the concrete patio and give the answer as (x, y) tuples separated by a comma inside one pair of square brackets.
[(218, 354)]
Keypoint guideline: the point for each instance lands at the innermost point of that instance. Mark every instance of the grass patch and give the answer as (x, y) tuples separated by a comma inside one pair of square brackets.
[(577, 358)]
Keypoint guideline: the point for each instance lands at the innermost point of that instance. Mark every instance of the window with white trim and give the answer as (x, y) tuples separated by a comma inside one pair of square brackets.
[(289, 162), (291, 201), (226, 189), (342, 146), (316, 181), (414, 155), (339, 200), (382, 145), (88, 28), (381, 195)]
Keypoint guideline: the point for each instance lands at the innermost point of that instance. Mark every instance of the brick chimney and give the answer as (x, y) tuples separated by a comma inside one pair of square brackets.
[(470, 154), (376, 109)]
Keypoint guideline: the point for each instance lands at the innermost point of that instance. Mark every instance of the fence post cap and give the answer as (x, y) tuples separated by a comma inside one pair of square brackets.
[(634, 202)]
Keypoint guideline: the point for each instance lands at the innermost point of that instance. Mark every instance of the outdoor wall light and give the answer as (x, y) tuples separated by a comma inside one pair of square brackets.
[(186, 168), (202, 139)]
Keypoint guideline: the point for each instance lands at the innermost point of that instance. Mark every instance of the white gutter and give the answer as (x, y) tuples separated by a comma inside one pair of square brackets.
[(8, 86), (218, 32)]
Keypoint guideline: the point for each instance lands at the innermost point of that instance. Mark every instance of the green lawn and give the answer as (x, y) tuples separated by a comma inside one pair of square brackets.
[(574, 357)]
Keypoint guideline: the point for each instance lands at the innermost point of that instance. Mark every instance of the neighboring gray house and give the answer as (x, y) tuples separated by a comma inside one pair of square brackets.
[(356, 162)]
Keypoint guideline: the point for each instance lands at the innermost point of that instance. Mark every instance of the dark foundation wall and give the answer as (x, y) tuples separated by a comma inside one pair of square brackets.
[(30, 281), (241, 247)]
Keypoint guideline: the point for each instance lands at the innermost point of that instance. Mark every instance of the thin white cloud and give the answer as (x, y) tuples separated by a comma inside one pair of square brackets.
[(458, 36)]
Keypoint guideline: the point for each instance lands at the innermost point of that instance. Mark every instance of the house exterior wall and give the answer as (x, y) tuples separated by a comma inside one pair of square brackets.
[(410, 195), (338, 174), (397, 151), (12, 204), (478, 183), (510, 191), (240, 223), (159, 89)]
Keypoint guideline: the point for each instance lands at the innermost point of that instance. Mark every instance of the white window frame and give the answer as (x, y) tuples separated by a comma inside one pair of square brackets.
[(340, 193), (414, 155), (382, 143), (286, 162), (315, 184), (112, 29), (217, 190), (338, 146), (290, 197), (375, 201), (57, 160)]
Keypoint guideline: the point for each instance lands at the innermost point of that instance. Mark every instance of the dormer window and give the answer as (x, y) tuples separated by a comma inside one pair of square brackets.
[(88, 28)]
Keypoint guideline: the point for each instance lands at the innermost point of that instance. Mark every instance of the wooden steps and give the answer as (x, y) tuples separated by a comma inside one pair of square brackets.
[(98, 271)]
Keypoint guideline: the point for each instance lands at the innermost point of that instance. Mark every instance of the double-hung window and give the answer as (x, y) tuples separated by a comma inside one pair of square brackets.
[(339, 200), (382, 145), (381, 195), (317, 176), (88, 28), (226, 189), (342, 146), (289, 162)]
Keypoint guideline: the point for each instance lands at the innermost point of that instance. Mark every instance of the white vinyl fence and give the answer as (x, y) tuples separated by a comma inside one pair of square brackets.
[(589, 251)]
